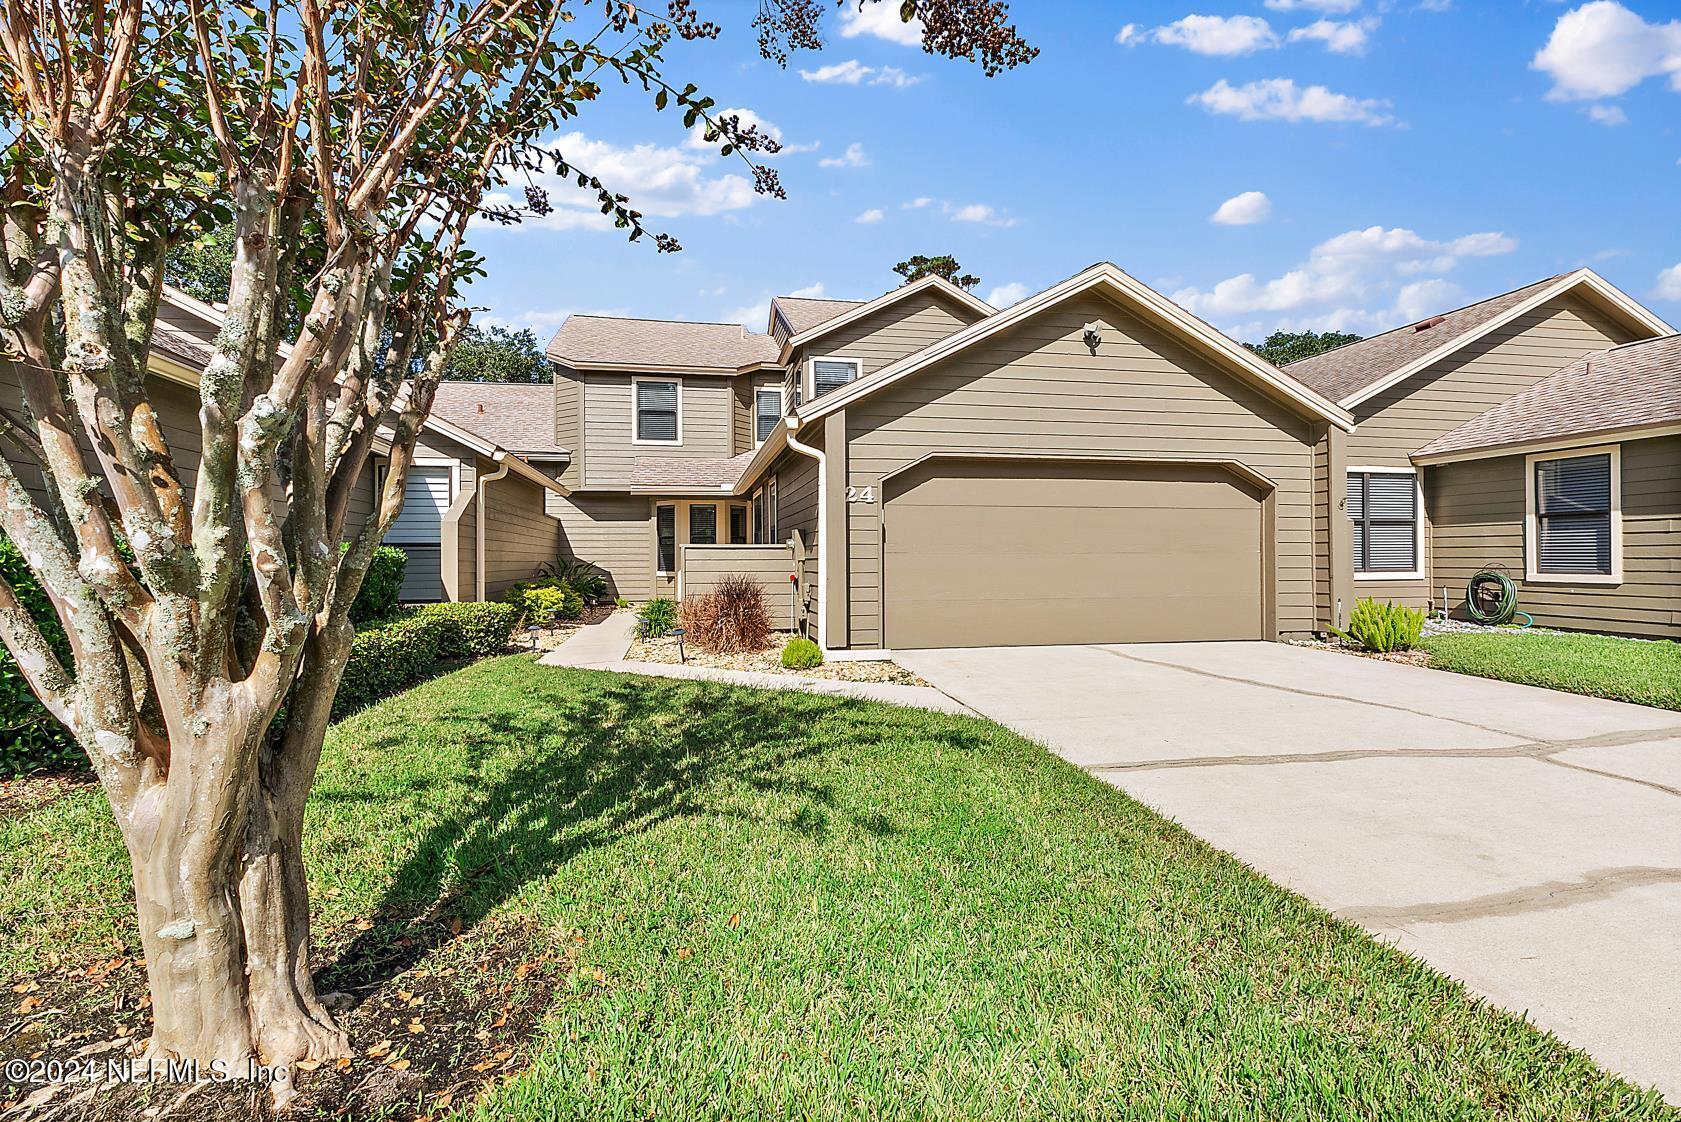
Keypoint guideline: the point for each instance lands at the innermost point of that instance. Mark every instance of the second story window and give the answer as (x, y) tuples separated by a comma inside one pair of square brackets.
[(829, 374), (767, 410), (658, 411)]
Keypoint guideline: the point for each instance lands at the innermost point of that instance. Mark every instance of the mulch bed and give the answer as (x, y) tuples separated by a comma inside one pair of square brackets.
[(435, 1018), (769, 661), (1415, 657)]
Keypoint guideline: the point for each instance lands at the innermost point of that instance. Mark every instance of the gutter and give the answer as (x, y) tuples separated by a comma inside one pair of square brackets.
[(483, 485), (793, 423)]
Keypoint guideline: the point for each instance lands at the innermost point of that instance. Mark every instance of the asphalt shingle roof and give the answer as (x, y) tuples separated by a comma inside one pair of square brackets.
[(517, 416), (802, 313), (611, 341), (687, 475), (1632, 385), (1344, 372)]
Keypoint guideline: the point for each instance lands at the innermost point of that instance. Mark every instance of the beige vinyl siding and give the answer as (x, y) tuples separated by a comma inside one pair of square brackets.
[(1477, 510), (745, 388), (706, 414), (796, 506), (569, 422), (1324, 508), (1409, 415), (518, 535), (767, 566), (615, 532), (1036, 389), (890, 334)]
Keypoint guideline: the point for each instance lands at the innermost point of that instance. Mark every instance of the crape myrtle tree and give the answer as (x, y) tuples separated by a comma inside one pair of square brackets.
[(347, 146)]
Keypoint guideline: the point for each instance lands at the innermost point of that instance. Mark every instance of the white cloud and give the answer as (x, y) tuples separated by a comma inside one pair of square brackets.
[(1332, 7), (1006, 294), (918, 203), (1245, 209), (748, 119), (1131, 35), (1669, 283), (1608, 115), (756, 315), (963, 212), (1347, 37), (1602, 49), (1425, 298), (879, 18), (660, 182), (853, 157), (1356, 267), (854, 73), (1223, 36), (869, 217), (1280, 99)]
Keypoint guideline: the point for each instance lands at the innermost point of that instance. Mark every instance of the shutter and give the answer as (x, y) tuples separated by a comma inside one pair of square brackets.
[(656, 411), (703, 525), (769, 406), (831, 374), (1573, 500), (1357, 497)]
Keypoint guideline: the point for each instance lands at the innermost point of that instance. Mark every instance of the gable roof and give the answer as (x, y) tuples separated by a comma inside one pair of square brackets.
[(1353, 373), (615, 343), (1108, 277), (517, 416), (887, 299), (802, 313), (1634, 386)]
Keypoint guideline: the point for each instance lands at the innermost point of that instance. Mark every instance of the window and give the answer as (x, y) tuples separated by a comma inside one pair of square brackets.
[(1574, 507), (738, 525), (659, 418), (770, 511), (665, 532), (767, 410), (759, 517), (703, 524), (1383, 505), (832, 373)]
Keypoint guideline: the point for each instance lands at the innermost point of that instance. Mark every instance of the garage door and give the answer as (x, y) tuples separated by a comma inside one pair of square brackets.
[(426, 496), (1000, 552)]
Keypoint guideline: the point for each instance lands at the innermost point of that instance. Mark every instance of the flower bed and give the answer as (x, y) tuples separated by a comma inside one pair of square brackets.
[(768, 661)]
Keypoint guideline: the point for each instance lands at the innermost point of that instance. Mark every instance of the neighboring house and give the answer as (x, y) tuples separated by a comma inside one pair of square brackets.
[(455, 467), (1095, 464), (1454, 387)]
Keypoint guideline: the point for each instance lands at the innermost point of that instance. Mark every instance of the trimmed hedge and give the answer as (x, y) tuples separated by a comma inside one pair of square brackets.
[(388, 656), (377, 598), (31, 739)]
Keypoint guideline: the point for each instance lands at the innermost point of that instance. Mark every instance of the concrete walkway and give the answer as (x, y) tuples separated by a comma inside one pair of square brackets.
[(1525, 841), (603, 646)]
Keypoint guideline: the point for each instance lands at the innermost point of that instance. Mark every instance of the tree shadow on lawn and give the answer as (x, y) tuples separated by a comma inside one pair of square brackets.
[(602, 763)]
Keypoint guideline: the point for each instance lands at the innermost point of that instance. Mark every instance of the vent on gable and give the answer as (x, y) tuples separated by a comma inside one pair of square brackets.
[(1427, 324)]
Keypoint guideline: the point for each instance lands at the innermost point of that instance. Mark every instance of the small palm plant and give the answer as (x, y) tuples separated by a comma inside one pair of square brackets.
[(1383, 628), (583, 577)]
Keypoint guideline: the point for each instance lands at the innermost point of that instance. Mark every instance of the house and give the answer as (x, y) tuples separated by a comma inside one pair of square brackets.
[(1095, 464), (458, 471)]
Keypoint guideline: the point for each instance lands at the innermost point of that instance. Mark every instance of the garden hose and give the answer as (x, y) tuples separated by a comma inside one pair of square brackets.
[(1491, 598)]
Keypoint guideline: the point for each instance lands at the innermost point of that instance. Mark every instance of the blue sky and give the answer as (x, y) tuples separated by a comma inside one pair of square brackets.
[(1413, 156)]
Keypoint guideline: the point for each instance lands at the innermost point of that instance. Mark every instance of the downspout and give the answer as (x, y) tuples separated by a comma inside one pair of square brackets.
[(484, 483), (794, 424)]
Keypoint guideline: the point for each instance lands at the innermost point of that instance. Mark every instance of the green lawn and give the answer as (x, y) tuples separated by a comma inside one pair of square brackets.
[(804, 907), (1601, 665)]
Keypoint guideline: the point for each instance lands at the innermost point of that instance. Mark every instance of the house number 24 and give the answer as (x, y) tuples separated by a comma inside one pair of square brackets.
[(860, 494)]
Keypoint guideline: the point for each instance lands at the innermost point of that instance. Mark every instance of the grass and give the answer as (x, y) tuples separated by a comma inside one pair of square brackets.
[(1599, 665), (786, 905)]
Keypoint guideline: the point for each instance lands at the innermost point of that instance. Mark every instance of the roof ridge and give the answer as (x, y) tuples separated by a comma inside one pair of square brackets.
[(1641, 342), (658, 319)]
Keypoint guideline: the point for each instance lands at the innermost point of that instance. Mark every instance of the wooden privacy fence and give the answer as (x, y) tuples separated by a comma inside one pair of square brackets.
[(703, 566)]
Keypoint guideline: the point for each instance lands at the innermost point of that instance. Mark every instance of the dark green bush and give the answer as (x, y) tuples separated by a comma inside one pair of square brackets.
[(377, 598), (388, 656), (471, 630), (658, 617), (802, 654), (31, 739)]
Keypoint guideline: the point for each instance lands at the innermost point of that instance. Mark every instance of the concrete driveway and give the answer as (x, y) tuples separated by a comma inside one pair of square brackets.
[(1525, 841)]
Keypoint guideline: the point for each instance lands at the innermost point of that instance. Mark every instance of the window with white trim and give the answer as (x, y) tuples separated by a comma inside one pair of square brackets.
[(1574, 515), (1383, 505), (767, 410), (658, 411), (665, 534), (829, 374)]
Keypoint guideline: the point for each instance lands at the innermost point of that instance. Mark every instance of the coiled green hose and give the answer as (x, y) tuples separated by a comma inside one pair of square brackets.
[(1501, 609)]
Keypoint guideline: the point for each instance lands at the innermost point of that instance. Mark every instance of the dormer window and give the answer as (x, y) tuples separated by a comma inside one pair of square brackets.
[(828, 374), (658, 411)]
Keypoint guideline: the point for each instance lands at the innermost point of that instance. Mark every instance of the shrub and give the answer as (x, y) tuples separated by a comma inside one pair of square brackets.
[(658, 617), (1385, 627), (731, 619), (31, 739), (584, 576), (802, 654), (388, 656), (542, 602), (471, 630), (377, 598)]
